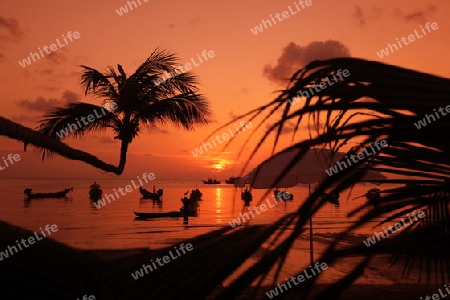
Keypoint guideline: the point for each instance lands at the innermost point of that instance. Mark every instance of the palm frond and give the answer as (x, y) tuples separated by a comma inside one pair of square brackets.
[(76, 119), (183, 110), (377, 101), (134, 101), (158, 61), (97, 83)]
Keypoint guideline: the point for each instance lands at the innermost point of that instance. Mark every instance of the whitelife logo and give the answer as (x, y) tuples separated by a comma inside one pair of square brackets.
[(86, 297), (428, 118), (31, 240), (124, 9), (53, 47), (318, 87), (281, 197), (180, 69), (242, 126), (437, 296), (411, 38), (372, 240), (284, 15), (165, 260), (128, 189), (298, 279), (90, 118), (11, 158), (334, 170)]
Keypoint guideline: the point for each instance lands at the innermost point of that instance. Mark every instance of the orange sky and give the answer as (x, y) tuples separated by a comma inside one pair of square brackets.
[(234, 80)]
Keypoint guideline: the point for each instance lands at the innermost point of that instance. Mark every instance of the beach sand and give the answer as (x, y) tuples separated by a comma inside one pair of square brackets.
[(362, 292), (50, 270)]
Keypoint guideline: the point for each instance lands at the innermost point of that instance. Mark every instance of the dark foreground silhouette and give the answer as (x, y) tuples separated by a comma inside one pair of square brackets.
[(51, 270)]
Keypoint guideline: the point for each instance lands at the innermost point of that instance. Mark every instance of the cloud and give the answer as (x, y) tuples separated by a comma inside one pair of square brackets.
[(81, 60), (288, 127), (43, 105), (363, 16), (294, 57), (157, 130), (194, 21), (10, 31), (359, 15), (56, 57), (44, 71), (242, 91), (61, 74), (40, 104), (106, 140), (420, 15), (70, 97)]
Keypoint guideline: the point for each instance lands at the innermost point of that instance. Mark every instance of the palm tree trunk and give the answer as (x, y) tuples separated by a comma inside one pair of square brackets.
[(123, 155), (125, 139), (27, 135)]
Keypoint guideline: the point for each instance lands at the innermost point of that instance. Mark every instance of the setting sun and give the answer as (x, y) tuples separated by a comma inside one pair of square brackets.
[(224, 149), (218, 166)]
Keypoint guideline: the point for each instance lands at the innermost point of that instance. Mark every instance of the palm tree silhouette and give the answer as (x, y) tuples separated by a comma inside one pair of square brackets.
[(399, 97), (390, 99), (27, 135), (140, 100)]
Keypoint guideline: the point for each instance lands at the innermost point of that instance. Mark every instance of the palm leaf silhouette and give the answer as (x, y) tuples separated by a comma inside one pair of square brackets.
[(377, 101), (139, 100)]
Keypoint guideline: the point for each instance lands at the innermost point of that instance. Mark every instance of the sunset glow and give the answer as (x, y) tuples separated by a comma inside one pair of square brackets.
[(235, 74), (225, 149)]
